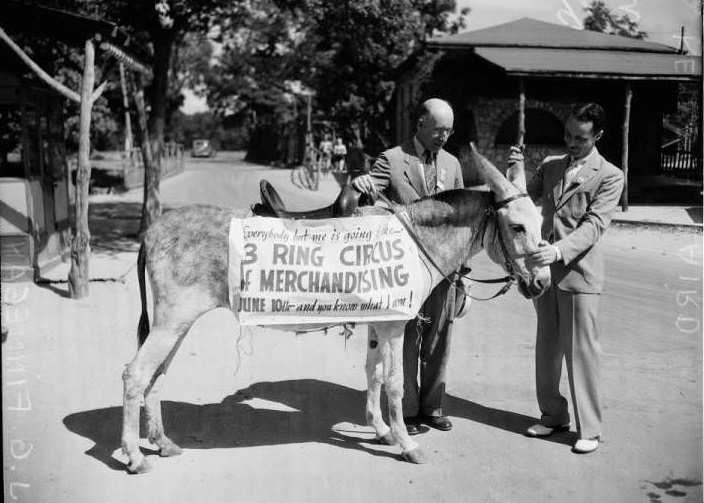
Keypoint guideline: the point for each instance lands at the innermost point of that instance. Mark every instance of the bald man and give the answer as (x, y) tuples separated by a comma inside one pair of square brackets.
[(419, 168)]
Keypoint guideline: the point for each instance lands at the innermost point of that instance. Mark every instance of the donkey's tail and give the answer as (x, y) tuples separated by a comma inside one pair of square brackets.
[(143, 328)]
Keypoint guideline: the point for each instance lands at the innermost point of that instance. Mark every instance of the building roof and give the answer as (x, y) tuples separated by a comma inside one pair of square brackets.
[(527, 32), (593, 64), (527, 47)]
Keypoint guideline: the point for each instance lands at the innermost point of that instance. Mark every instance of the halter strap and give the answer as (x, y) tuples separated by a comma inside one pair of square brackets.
[(510, 280), (504, 202)]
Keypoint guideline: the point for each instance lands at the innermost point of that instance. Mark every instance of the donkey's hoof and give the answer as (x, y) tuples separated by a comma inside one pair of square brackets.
[(415, 456), (387, 439), (170, 449), (142, 467)]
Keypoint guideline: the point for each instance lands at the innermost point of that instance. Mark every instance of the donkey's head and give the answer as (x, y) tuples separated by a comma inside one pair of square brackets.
[(514, 233)]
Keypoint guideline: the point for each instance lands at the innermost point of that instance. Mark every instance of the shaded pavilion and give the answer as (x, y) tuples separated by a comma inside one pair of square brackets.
[(514, 83)]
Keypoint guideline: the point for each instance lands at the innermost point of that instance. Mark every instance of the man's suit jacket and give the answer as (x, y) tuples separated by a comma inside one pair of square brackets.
[(575, 217), (398, 173)]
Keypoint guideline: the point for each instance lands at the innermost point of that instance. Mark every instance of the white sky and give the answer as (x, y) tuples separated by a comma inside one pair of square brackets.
[(661, 19)]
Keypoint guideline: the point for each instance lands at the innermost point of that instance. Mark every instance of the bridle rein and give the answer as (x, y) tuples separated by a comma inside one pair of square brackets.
[(491, 211)]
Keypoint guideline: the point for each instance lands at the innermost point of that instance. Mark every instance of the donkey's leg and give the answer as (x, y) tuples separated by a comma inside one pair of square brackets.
[(179, 318), (375, 378), (137, 376), (394, 391), (152, 407)]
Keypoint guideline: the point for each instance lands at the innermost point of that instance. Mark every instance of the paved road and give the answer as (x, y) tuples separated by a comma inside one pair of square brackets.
[(267, 416)]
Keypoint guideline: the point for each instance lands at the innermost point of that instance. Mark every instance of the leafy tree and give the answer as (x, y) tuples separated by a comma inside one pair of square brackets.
[(158, 29), (600, 18), (347, 52)]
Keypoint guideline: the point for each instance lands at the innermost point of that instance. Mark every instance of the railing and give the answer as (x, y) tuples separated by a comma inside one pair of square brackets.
[(133, 166), (680, 162)]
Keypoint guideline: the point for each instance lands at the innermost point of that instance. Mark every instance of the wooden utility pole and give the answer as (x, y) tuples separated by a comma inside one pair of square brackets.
[(624, 141), (129, 141), (78, 276)]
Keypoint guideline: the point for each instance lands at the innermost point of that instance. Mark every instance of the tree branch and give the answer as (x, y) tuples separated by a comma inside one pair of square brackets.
[(98, 91), (51, 81)]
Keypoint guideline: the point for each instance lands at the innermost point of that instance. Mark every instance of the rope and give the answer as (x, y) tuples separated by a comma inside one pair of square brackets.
[(124, 58)]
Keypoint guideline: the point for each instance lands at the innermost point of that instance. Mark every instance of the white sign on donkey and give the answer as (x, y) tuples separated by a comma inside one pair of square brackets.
[(322, 271)]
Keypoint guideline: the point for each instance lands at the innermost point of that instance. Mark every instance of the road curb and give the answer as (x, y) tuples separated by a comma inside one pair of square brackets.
[(688, 227)]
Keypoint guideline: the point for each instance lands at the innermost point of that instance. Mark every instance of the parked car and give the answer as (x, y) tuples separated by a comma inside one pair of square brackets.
[(202, 148)]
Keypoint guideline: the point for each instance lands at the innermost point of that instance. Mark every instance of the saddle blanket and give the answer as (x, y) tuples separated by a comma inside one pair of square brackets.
[(356, 269)]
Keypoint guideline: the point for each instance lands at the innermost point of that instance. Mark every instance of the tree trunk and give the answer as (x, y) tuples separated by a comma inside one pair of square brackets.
[(78, 276), (151, 209), (151, 198)]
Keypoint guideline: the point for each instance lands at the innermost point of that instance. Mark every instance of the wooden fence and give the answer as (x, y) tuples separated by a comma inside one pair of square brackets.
[(133, 167), (680, 162)]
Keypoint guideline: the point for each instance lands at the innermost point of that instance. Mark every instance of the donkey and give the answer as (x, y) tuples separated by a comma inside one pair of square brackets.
[(185, 253)]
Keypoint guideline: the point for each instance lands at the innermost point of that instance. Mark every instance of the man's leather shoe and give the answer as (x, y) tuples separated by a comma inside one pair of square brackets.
[(586, 445), (412, 425), (441, 423), (539, 430)]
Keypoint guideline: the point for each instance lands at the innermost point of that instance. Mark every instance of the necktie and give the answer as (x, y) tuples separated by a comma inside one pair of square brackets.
[(430, 172), (570, 171)]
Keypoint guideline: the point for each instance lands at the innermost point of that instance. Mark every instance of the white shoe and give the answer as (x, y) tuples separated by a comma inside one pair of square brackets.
[(586, 445), (539, 430)]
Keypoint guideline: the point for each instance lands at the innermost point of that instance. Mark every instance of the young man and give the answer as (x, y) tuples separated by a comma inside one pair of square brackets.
[(418, 168), (580, 192)]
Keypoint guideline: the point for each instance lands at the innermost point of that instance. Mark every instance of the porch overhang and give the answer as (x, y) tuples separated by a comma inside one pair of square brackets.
[(593, 64)]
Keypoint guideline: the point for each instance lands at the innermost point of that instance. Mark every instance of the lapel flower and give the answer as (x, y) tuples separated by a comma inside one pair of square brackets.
[(440, 185)]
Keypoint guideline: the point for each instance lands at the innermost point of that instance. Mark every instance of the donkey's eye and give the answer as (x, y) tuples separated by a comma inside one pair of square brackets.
[(517, 228)]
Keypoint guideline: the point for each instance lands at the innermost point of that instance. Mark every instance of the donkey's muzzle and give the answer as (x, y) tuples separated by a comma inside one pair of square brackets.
[(538, 284)]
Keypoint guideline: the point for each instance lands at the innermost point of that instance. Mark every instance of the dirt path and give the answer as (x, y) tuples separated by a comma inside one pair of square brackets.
[(268, 416)]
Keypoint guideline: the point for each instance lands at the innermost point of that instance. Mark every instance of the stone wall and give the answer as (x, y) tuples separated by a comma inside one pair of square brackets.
[(489, 114)]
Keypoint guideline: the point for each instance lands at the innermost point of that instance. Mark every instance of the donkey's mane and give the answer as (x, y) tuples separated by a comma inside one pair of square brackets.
[(453, 207)]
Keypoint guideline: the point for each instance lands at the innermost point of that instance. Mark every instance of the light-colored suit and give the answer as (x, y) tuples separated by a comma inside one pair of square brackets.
[(399, 174), (574, 218)]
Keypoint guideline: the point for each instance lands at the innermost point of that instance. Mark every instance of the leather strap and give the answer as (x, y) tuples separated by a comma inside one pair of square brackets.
[(405, 220)]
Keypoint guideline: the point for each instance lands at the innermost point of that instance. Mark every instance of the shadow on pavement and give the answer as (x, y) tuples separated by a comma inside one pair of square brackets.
[(61, 291), (318, 407), (503, 419), (114, 227), (695, 213)]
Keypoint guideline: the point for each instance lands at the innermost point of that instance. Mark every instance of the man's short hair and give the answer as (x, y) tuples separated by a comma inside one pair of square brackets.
[(590, 112)]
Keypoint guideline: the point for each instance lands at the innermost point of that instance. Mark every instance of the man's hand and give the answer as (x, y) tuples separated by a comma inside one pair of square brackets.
[(364, 184), (546, 255), (466, 284), (515, 156)]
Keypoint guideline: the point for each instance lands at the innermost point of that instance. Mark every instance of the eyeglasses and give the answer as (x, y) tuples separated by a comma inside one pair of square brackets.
[(443, 131)]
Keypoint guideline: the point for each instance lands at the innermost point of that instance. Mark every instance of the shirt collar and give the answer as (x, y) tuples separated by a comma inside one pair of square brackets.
[(581, 162), (420, 149)]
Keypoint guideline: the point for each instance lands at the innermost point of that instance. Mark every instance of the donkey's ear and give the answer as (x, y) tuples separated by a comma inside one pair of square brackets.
[(473, 164)]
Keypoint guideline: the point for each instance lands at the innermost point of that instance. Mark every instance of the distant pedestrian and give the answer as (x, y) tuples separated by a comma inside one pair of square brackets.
[(325, 148), (339, 151), (580, 192)]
